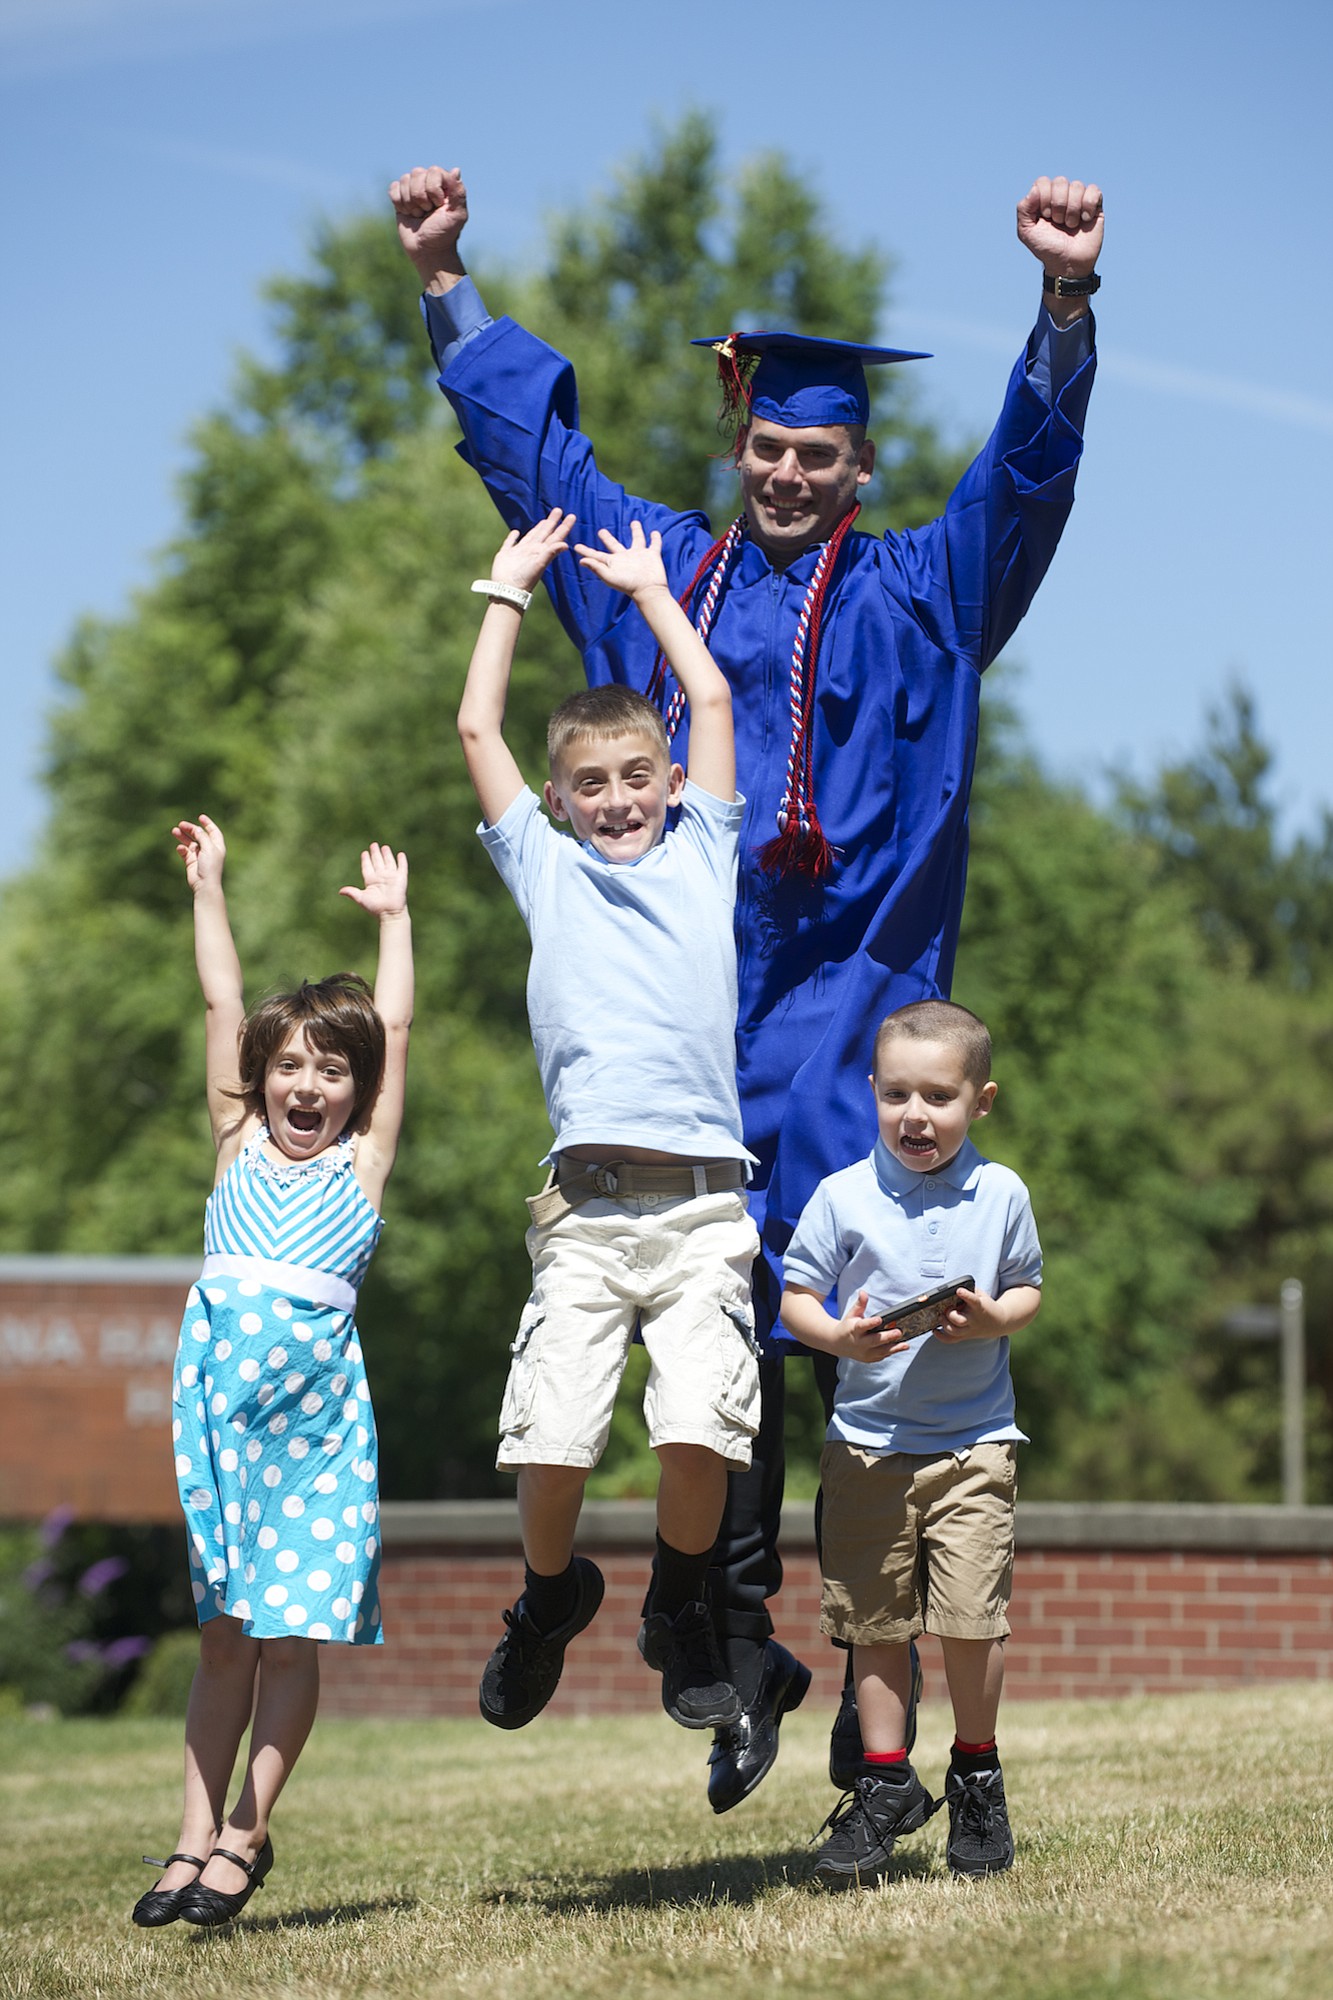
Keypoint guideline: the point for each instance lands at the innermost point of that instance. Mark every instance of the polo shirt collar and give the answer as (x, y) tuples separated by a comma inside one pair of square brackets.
[(895, 1178), (754, 566)]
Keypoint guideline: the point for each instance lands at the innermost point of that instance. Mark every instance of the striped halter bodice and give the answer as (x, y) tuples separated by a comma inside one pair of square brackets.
[(311, 1213)]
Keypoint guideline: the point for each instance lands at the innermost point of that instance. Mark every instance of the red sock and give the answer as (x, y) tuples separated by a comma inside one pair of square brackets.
[(969, 1758), (885, 1756)]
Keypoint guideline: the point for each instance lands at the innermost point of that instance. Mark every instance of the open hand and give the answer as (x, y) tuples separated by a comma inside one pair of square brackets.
[(201, 847), (523, 559), (1061, 222), (384, 878), (633, 567)]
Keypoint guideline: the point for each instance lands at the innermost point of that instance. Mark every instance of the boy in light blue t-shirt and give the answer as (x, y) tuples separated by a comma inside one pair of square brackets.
[(644, 1222), (918, 1471)]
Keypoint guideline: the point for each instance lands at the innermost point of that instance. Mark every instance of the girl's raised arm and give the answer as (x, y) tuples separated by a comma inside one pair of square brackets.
[(384, 894), (203, 850)]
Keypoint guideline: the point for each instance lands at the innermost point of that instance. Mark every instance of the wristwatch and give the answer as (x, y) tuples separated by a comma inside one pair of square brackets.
[(1070, 288)]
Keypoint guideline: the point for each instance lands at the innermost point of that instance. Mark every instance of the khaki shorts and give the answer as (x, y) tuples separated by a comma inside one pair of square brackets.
[(917, 1544), (678, 1268)]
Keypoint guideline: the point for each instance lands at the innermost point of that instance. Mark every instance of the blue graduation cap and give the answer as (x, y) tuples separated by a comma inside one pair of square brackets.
[(797, 379)]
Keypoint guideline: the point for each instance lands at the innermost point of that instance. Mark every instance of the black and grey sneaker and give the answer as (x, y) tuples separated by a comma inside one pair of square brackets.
[(980, 1841), (696, 1690), (524, 1670), (845, 1750), (863, 1828)]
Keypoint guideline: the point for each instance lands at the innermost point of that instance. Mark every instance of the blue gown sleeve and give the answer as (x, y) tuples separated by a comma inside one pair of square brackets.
[(517, 406), (972, 574)]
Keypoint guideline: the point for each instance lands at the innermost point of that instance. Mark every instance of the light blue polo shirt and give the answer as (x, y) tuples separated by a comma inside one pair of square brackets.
[(882, 1228), (632, 982)]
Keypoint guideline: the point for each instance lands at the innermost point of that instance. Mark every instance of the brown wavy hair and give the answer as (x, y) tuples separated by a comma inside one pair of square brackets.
[(339, 1018)]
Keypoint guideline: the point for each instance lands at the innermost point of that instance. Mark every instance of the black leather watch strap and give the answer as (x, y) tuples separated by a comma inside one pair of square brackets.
[(1070, 288)]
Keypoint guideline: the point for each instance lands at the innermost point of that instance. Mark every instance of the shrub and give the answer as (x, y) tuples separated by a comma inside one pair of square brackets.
[(45, 1652), (163, 1683)]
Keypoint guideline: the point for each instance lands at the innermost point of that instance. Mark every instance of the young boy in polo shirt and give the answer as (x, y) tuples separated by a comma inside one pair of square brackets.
[(644, 1222), (918, 1470)]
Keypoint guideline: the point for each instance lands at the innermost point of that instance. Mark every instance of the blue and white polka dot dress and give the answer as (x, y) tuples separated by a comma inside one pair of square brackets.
[(276, 1459)]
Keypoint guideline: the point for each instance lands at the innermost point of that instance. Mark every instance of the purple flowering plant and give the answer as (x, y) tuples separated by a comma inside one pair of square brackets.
[(49, 1648)]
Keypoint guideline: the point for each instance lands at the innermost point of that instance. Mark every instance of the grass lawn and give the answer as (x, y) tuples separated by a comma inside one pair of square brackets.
[(1167, 1849)]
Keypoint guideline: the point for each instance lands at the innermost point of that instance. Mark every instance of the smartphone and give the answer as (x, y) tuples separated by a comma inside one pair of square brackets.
[(926, 1310)]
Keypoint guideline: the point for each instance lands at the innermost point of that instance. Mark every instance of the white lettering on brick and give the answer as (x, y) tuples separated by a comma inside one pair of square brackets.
[(125, 1343), (147, 1403), (30, 1343)]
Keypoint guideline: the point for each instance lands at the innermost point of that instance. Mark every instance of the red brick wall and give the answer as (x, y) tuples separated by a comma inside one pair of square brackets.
[(1152, 1621), (86, 1347), (1086, 1623)]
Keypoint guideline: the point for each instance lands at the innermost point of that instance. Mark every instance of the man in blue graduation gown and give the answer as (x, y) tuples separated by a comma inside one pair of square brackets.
[(855, 666)]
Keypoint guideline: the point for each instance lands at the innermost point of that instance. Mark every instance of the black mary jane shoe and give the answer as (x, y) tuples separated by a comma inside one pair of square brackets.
[(163, 1906), (201, 1905)]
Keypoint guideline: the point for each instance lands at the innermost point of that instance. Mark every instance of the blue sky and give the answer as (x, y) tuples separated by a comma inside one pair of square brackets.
[(160, 160)]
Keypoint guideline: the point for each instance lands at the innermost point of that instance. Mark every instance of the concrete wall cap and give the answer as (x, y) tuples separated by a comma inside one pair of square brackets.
[(173, 1271), (1040, 1524)]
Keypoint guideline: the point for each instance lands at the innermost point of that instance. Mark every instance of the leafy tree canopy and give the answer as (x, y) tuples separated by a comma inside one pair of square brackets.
[(294, 670)]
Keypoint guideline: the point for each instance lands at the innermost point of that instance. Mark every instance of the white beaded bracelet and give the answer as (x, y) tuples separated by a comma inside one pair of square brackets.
[(503, 593)]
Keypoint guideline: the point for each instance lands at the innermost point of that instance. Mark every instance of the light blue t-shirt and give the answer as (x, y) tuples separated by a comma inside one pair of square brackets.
[(632, 983), (882, 1228)]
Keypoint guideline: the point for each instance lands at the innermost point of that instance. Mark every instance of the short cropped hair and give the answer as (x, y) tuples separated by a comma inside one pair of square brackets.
[(941, 1021), (339, 1018), (598, 713)]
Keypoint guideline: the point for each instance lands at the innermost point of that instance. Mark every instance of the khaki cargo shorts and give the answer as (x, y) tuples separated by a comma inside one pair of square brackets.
[(678, 1268), (917, 1544)]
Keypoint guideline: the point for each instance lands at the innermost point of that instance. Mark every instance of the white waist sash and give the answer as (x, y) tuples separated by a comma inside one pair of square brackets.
[(320, 1287)]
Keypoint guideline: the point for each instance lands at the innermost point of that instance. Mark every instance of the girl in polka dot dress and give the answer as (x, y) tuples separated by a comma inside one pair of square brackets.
[(274, 1434)]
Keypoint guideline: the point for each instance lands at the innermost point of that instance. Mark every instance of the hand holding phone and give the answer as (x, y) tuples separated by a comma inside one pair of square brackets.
[(927, 1310)]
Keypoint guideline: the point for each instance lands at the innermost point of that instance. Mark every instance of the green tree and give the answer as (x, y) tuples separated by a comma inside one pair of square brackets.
[(1259, 1090), (1213, 824), (1086, 972), (294, 671), (1158, 977)]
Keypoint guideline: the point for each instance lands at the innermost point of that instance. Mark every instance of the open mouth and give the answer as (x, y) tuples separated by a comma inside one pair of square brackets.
[(913, 1144), (304, 1121)]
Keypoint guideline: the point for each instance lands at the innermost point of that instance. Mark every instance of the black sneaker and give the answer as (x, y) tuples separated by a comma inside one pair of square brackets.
[(980, 1842), (524, 1670), (845, 1749), (696, 1692), (862, 1829)]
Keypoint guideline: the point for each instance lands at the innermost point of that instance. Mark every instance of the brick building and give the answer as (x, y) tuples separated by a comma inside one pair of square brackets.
[(86, 1346), (1109, 1600)]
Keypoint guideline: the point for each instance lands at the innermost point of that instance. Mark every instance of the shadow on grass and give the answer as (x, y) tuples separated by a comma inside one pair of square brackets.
[(309, 1919), (737, 1879)]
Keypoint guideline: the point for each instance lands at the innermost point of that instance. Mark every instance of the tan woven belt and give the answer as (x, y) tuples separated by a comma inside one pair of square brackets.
[(576, 1181)]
